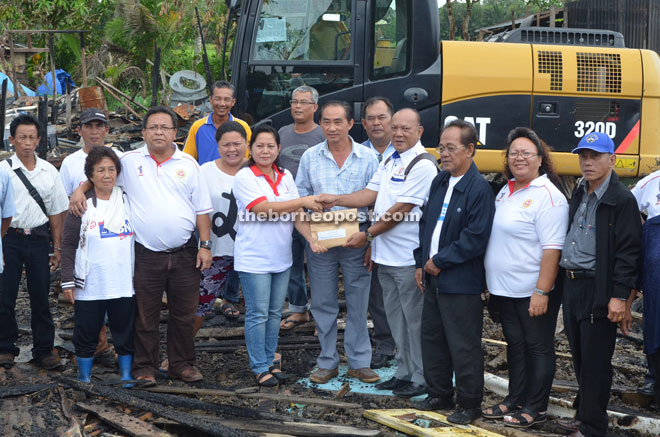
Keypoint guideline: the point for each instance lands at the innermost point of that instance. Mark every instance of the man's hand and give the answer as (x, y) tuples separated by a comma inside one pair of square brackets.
[(431, 268), (69, 295), (616, 310), (626, 324), (419, 275), (317, 248), (357, 240), (78, 203), (368, 263), (204, 259), (328, 200), (538, 305), (312, 202), (55, 260)]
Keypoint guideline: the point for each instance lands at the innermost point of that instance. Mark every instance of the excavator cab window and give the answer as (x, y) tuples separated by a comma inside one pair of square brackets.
[(390, 41)]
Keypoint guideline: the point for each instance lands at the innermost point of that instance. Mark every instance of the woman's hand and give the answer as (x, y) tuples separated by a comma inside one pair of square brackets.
[(311, 202), (317, 248), (69, 295), (538, 305)]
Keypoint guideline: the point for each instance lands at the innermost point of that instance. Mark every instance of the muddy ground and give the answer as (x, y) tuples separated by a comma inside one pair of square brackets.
[(41, 413)]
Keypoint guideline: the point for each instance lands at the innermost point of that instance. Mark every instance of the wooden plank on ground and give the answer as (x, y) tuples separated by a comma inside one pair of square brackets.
[(130, 425), (411, 422)]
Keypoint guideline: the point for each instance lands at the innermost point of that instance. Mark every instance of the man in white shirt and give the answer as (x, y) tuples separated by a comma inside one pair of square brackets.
[(168, 199), (398, 189), (27, 242)]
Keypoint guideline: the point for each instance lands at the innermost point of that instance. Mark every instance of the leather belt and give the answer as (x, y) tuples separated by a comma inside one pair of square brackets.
[(30, 231), (580, 274)]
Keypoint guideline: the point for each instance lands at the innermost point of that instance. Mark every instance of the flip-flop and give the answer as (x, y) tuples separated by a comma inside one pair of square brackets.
[(228, 311), (293, 323), (146, 381)]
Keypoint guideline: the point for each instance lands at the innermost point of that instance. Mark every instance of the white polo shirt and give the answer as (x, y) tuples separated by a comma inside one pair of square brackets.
[(72, 170), (262, 246), (46, 180), (526, 223), (647, 193), (395, 247), (165, 199)]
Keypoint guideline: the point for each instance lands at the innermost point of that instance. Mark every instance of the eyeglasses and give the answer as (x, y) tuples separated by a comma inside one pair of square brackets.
[(156, 128), (449, 149), (524, 154), (301, 102)]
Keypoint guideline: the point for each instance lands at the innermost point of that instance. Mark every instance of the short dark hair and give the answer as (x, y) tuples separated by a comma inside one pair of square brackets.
[(230, 126), (468, 132), (372, 101), (24, 118), (264, 129), (96, 155), (159, 110), (223, 84), (348, 109), (542, 149)]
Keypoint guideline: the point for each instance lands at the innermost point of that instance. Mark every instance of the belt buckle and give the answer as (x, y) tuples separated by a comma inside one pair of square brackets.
[(571, 274), (27, 231)]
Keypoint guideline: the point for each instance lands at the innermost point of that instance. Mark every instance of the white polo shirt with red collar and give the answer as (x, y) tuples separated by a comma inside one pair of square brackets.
[(165, 198), (526, 223), (263, 245), (647, 193)]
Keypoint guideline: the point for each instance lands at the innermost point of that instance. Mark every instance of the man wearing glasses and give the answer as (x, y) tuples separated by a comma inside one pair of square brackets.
[(296, 138), (453, 236), (201, 143), (168, 200), (600, 259)]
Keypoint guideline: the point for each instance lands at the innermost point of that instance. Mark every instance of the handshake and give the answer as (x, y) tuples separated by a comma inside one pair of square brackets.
[(320, 202)]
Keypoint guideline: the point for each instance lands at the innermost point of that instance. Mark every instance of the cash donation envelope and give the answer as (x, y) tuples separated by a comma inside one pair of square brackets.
[(332, 228)]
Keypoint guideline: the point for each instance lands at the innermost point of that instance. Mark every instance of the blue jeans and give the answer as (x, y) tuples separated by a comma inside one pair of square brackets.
[(264, 295), (297, 290), (232, 291)]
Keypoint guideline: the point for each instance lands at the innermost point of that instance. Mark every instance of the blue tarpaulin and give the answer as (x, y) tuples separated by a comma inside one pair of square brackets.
[(61, 77), (10, 86)]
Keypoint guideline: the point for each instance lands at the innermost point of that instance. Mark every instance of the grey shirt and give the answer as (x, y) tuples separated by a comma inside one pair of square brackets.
[(295, 144), (580, 245)]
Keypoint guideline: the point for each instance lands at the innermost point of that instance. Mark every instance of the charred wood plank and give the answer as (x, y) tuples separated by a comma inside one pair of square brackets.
[(21, 390), (130, 425)]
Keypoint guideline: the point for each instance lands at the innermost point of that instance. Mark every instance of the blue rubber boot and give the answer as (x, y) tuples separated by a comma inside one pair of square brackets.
[(125, 364), (84, 368)]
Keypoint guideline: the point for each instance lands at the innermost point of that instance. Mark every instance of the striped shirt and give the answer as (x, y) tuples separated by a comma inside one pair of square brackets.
[(319, 173), (47, 182)]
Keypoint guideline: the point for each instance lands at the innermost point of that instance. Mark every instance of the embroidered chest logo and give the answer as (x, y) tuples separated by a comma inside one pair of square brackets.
[(527, 203), (398, 175), (500, 196), (140, 173), (180, 173), (657, 197)]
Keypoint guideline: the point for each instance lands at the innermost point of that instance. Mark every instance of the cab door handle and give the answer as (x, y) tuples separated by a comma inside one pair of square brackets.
[(415, 95)]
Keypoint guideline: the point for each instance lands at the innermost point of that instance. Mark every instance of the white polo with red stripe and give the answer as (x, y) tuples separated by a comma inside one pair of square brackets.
[(527, 222), (647, 193), (263, 245), (165, 198)]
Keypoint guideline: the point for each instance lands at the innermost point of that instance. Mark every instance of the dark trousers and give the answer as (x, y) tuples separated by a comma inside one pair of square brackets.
[(382, 339), (592, 343), (32, 252), (297, 290), (451, 343), (177, 275), (654, 366), (530, 351), (89, 317)]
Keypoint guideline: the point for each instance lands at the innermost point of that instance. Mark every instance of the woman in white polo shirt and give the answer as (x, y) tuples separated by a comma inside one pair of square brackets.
[(522, 261), (266, 195)]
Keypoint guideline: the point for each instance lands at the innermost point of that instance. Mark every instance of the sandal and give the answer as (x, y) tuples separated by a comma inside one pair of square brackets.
[(289, 323), (266, 379), (278, 374), (522, 421), (146, 381), (497, 412), (229, 311)]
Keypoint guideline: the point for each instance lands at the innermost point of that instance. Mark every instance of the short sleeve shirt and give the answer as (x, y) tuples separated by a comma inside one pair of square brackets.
[(527, 222), (72, 170), (295, 144), (647, 193), (395, 247), (7, 207), (225, 211), (263, 245), (164, 198)]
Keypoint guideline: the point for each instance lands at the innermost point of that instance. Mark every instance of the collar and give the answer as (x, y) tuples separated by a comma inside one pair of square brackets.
[(145, 152), (279, 175), (600, 191), (467, 176), (17, 163), (357, 148), (386, 153), (539, 181), (209, 119), (409, 154)]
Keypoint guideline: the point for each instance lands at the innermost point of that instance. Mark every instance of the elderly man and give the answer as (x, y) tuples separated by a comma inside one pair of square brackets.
[(399, 188), (40, 200), (168, 200), (201, 143), (453, 236), (601, 259), (377, 121), (296, 138), (339, 165)]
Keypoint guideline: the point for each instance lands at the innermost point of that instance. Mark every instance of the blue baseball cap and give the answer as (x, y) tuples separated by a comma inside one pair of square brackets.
[(596, 141)]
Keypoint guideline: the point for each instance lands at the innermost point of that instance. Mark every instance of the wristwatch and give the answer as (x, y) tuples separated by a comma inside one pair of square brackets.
[(369, 236), (205, 244)]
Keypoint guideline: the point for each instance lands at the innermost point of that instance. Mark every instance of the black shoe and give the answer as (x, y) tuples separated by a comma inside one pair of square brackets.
[(380, 360), (410, 391), (647, 389), (464, 416), (431, 403), (391, 384)]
